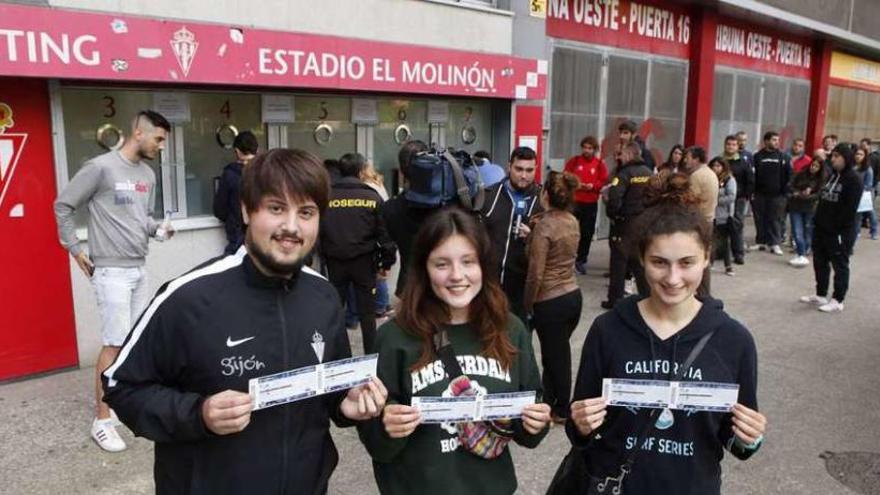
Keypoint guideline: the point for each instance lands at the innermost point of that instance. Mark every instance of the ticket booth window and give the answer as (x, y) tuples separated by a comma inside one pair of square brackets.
[(323, 126), (470, 126), (207, 142), (96, 120), (399, 120)]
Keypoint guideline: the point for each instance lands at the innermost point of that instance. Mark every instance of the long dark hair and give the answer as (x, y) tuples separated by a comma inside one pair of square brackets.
[(668, 163), (860, 165), (422, 312)]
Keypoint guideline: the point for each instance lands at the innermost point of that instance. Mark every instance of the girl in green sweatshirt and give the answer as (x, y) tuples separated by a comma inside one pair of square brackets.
[(450, 287)]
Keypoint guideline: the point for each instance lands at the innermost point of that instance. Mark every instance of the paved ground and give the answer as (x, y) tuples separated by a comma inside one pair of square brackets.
[(818, 386)]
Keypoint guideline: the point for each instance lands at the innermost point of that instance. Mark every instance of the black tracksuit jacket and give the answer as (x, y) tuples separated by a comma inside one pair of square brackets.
[(213, 329), (772, 172), (351, 226)]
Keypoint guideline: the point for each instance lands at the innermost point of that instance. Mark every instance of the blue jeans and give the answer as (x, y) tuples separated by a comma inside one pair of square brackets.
[(383, 300), (802, 226), (872, 222)]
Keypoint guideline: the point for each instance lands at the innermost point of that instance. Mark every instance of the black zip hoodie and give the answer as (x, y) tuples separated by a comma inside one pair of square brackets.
[(682, 455), (839, 200), (500, 221), (213, 329)]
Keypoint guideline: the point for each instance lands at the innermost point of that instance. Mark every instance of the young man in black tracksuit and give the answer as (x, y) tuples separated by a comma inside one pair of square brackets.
[(772, 176), (181, 378), (742, 172), (834, 231), (509, 206), (624, 202), (352, 234)]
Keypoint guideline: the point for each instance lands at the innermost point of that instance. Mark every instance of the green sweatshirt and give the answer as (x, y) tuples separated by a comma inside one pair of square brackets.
[(430, 460)]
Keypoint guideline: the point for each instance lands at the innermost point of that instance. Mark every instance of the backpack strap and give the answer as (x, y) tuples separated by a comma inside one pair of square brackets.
[(443, 348), (461, 186)]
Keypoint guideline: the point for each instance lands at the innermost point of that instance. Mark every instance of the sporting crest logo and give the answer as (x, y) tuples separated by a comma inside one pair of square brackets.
[(11, 146), (184, 46)]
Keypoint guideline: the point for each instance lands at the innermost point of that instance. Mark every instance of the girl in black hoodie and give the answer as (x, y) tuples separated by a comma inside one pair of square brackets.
[(834, 233), (649, 338)]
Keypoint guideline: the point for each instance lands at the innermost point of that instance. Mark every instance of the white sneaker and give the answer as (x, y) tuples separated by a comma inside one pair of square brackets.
[(775, 249), (814, 299), (799, 261), (757, 247), (105, 435), (833, 306)]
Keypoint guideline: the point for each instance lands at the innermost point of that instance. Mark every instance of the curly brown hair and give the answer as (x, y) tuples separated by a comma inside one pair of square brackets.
[(560, 188), (671, 208)]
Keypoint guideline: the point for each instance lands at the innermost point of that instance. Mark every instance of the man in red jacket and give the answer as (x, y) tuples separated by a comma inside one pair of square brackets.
[(593, 174)]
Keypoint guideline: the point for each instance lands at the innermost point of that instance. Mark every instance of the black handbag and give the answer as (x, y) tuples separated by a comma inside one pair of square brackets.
[(572, 477)]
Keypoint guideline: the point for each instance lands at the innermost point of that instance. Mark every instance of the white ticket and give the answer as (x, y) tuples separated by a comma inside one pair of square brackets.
[(490, 407), (705, 396), (637, 393), (348, 373), (504, 406), (446, 409), (302, 383)]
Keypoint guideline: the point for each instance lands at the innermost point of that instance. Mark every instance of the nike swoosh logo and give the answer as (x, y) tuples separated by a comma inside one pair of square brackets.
[(233, 343)]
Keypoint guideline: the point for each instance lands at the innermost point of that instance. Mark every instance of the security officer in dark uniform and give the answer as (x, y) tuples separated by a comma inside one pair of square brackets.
[(623, 202), (354, 241)]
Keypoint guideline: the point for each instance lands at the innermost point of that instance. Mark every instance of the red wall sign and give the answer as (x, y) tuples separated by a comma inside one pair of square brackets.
[(45, 42), (37, 330), (642, 26), (738, 44)]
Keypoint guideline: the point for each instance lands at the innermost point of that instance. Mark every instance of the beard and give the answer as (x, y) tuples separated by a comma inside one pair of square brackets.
[(276, 267)]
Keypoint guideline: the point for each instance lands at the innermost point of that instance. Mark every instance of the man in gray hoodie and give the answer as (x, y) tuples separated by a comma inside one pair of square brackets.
[(118, 188)]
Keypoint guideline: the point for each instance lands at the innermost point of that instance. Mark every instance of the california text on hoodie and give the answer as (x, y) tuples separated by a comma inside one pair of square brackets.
[(214, 329), (682, 455)]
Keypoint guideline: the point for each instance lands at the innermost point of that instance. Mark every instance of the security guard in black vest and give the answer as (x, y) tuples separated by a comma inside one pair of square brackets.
[(623, 202), (354, 241)]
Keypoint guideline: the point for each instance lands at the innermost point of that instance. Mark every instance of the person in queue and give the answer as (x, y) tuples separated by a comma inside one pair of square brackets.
[(552, 294)]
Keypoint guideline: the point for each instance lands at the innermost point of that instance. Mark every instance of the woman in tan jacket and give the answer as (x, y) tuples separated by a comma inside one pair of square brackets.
[(552, 296)]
